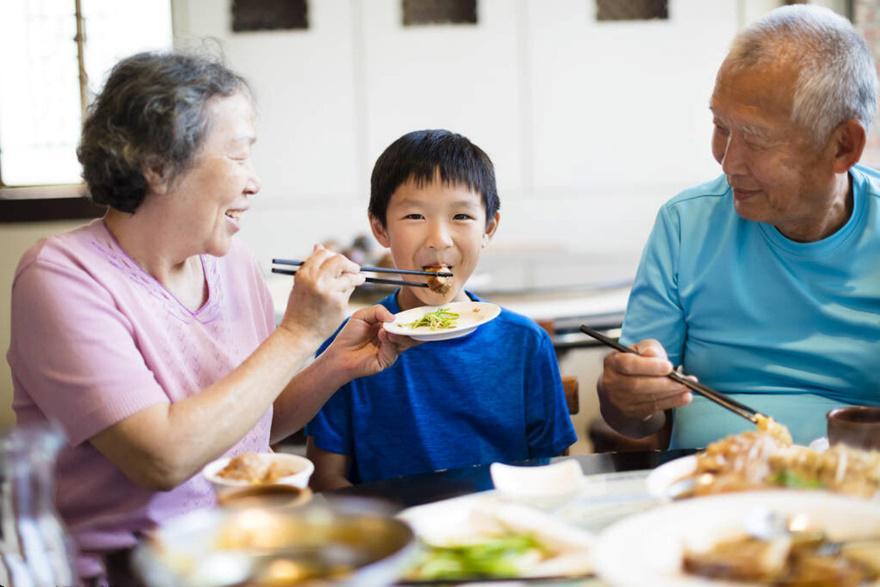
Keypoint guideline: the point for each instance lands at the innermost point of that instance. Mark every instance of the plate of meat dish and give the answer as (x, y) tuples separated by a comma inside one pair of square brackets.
[(721, 540), (766, 459), (452, 320)]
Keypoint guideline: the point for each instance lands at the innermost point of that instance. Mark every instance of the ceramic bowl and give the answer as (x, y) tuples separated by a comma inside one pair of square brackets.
[(301, 467)]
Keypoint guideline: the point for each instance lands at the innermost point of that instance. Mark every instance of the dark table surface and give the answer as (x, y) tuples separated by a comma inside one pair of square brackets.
[(415, 490)]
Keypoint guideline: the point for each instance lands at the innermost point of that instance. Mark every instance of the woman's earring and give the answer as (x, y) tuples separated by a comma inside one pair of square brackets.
[(485, 240)]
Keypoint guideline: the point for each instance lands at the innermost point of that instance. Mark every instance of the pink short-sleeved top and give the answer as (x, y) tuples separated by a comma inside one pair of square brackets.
[(96, 339)]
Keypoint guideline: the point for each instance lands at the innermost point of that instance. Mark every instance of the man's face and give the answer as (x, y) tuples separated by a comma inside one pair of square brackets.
[(777, 172)]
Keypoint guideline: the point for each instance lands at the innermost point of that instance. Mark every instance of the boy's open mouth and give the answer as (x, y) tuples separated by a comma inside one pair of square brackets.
[(437, 268)]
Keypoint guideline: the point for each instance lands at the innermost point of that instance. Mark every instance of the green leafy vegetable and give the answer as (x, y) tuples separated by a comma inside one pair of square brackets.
[(439, 319), (494, 557), (787, 478)]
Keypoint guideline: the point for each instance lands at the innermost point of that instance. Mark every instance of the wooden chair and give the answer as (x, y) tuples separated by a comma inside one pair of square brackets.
[(571, 387)]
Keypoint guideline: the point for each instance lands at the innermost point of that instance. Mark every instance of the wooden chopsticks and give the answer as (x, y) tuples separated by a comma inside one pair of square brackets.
[(719, 398), (368, 269)]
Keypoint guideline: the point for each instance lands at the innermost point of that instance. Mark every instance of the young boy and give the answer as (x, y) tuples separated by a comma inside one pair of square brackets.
[(493, 395)]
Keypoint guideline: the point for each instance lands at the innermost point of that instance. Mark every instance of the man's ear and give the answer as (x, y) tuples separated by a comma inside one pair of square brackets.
[(849, 141), (491, 227), (379, 231)]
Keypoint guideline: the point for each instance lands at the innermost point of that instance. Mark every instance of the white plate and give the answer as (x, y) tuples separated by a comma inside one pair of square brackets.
[(473, 314), (661, 479), (303, 467), (656, 539), (467, 519)]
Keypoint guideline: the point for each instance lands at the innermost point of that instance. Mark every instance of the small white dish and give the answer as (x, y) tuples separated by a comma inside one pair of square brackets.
[(661, 480), (302, 466), (544, 486), (472, 315)]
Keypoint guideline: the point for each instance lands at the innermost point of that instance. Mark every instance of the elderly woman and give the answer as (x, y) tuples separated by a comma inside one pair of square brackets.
[(149, 334)]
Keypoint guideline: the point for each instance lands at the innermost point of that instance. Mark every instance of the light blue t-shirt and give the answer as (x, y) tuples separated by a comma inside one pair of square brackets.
[(791, 329), (493, 395)]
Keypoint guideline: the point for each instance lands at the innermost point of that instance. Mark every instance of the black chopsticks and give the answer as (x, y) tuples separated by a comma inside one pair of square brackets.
[(716, 396), (367, 269)]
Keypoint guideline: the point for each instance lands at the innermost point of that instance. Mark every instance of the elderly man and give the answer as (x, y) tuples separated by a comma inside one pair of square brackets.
[(765, 283)]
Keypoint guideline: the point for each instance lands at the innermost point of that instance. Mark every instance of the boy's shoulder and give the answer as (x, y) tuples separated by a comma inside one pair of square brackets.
[(520, 323)]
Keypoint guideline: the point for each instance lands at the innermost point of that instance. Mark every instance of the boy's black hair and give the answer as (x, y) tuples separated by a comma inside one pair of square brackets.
[(420, 155)]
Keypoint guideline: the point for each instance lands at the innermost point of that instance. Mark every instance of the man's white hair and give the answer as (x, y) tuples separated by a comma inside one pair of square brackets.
[(837, 78)]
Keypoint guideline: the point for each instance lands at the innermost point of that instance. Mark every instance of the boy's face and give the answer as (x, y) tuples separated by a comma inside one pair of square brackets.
[(433, 227)]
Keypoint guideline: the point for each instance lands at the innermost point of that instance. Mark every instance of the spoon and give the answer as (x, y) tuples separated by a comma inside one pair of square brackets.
[(769, 525)]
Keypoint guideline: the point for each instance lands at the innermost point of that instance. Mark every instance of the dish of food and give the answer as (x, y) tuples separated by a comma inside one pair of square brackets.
[(765, 460), (440, 319), (452, 320), (477, 537), (260, 547), (662, 539), (796, 559), (259, 468)]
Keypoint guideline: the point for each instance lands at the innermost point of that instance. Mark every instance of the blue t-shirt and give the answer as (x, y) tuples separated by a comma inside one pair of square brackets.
[(493, 395), (791, 329)]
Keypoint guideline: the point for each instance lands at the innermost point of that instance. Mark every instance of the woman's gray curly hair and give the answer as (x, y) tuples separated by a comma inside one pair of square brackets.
[(837, 78), (150, 115)]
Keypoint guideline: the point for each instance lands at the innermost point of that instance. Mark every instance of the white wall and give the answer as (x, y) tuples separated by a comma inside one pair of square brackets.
[(591, 125)]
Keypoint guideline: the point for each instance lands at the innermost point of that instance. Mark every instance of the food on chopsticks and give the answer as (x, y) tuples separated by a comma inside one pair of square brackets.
[(504, 555), (254, 468), (767, 459), (439, 319), (773, 428), (438, 283), (789, 560)]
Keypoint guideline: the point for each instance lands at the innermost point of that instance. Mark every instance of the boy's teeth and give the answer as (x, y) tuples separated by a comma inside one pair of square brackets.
[(233, 213)]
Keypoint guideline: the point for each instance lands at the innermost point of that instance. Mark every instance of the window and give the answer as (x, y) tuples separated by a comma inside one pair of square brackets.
[(269, 15), (63, 50), (430, 12), (631, 9)]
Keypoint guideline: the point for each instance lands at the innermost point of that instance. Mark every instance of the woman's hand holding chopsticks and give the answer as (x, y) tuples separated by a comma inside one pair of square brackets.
[(318, 303)]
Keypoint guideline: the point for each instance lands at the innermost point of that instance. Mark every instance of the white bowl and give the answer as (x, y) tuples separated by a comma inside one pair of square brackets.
[(303, 467), (543, 486)]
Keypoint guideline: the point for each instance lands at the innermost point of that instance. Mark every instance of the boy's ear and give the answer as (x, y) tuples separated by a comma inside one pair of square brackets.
[(379, 231), (491, 227)]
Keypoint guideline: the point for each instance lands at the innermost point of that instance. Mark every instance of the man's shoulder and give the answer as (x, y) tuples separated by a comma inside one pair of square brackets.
[(870, 177), (708, 193)]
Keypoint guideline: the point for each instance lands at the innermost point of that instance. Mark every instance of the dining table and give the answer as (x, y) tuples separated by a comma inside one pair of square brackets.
[(614, 487), (620, 475)]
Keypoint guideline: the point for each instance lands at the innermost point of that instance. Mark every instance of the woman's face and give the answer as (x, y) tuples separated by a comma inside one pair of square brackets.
[(208, 200)]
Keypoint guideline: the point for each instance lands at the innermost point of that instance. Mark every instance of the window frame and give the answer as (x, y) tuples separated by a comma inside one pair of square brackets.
[(48, 202)]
